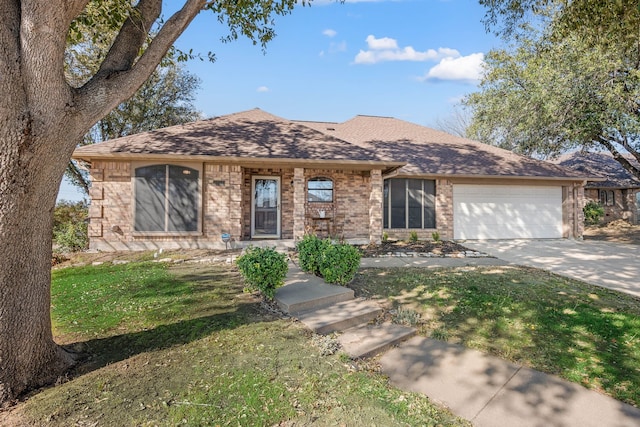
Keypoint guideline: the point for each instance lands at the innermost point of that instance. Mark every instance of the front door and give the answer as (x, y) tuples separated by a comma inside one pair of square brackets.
[(265, 207)]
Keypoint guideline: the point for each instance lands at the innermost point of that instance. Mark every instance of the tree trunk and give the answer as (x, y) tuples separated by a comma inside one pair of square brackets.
[(29, 178)]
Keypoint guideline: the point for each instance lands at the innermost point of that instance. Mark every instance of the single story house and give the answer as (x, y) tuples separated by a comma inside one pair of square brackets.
[(252, 176), (614, 187)]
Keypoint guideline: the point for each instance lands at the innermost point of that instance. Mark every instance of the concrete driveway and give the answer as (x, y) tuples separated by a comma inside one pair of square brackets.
[(611, 265)]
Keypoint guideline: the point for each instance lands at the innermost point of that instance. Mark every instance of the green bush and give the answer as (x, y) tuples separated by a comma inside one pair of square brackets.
[(310, 250), (70, 226), (435, 236), (593, 212), (71, 237), (263, 269), (413, 236), (339, 263)]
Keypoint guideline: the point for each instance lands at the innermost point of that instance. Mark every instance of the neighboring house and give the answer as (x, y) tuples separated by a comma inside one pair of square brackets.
[(256, 176), (614, 187)]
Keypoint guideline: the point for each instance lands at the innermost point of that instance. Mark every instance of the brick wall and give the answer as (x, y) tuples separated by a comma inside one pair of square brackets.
[(111, 210), (351, 193), (624, 206)]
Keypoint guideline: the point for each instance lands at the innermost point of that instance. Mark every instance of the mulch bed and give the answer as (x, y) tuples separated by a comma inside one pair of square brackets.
[(442, 247)]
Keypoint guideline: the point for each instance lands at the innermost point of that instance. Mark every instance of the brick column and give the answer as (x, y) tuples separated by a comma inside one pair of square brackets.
[(298, 203), (579, 213), (235, 202), (444, 208), (375, 207)]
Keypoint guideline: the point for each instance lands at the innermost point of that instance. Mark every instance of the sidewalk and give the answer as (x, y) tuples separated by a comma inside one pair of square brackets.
[(485, 389), (492, 392)]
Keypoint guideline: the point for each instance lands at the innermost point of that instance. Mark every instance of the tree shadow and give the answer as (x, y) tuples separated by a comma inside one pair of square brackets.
[(97, 353)]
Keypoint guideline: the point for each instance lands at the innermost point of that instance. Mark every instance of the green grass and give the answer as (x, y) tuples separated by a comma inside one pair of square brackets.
[(585, 334), (185, 346)]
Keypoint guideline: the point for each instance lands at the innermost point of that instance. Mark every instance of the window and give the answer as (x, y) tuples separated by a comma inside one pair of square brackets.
[(409, 203), (320, 190), (166, 198), (607, 198)]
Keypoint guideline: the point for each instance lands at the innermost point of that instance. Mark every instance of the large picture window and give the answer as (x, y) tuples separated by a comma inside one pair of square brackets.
[(409, 203), (320, 190), (166, 198)]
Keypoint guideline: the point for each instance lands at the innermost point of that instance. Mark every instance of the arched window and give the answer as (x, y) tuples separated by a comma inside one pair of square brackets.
[(320, 190), (167, 199)]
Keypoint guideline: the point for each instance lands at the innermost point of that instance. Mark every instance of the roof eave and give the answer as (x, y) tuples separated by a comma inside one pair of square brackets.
[(243, 161)]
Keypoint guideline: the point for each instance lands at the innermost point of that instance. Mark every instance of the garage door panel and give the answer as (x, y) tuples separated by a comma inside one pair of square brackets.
[(507, 212)]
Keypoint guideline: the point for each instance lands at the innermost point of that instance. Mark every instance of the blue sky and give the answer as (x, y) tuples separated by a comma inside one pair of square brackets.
[(410, 59)]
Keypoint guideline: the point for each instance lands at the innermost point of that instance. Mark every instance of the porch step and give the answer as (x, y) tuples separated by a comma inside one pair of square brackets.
[(369, 340), (340, 316), (303, 292)]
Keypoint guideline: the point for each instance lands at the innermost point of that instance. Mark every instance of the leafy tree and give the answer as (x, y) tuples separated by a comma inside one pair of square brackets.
[(165, 99), (558, 88), (44, 115)]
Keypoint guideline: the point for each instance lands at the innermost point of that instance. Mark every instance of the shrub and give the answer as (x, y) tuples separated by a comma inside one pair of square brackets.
[(69, 225), (263, 269), (339, 263), (413, 236), (593, 212), (385, 236), (435, 236), (310, 250), (71, 237)]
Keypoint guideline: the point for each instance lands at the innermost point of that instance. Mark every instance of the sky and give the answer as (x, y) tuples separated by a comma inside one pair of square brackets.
[(408, 59)]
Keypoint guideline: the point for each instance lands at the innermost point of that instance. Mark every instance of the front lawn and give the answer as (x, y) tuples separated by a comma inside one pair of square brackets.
[(183, 345), (583, 333)]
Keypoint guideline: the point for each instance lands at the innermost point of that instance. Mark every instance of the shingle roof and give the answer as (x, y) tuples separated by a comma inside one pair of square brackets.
[(252, 134), (601, 165), (431, 152), (258, 136)]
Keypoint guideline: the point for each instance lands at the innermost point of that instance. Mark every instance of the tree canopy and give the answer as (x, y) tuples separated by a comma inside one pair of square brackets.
[(570, 84)]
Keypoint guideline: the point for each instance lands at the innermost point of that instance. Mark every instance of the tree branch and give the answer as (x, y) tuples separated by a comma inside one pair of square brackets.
[(619, 157), (74, 8), (131, 37), (119, 80)]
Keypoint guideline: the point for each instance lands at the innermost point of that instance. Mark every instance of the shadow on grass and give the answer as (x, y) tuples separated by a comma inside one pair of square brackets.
[(141, 308), (586, 334), (97, 353)]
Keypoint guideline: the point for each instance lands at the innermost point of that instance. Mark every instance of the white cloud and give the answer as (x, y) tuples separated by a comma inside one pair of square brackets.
[(383, 43), (329, 32), (263, 89), (466, 68), (386, 49)]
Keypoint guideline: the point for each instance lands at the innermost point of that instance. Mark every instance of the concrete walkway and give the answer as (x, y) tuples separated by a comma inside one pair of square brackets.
[(484, 389), (607, 264), (492, 392)]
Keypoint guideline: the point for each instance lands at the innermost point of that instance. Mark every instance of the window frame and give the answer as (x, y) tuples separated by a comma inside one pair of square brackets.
[(321, 179), (388, 208), (199, 199), (607, 197)]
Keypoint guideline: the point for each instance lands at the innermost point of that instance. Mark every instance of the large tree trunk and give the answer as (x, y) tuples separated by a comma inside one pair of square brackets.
[(28, 188)]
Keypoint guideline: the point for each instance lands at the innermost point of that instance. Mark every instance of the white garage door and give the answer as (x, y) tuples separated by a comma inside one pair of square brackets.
[(506, 212)]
